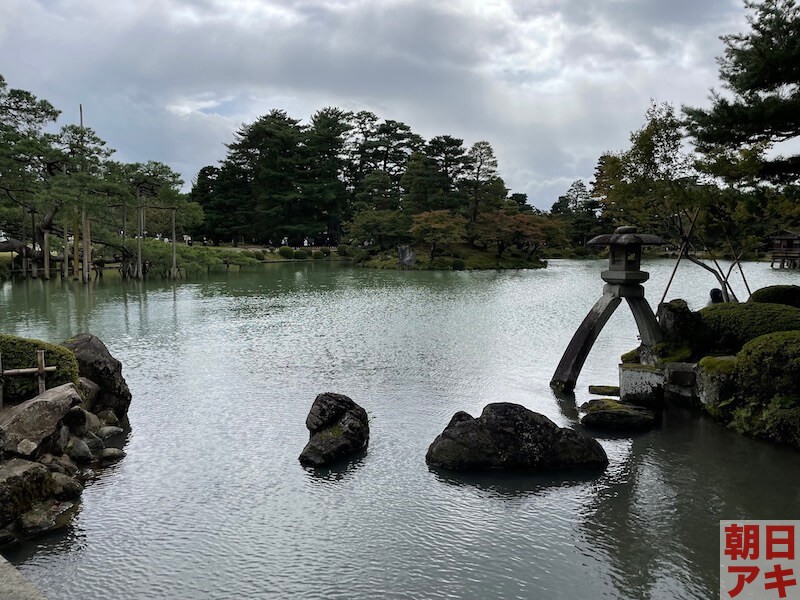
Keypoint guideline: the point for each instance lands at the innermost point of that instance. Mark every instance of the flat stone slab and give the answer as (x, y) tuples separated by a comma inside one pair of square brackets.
[(14, 586), (604, 390)]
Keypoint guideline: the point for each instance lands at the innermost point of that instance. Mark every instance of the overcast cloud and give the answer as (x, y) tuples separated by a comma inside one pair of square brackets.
[(550, 84)]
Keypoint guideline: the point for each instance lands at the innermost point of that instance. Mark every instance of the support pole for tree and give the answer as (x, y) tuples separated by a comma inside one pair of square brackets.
[(76, 236), (24, 253), (85, 275), (34, 269), (46, 254), (174, 260), (138, 273), (65, 262)]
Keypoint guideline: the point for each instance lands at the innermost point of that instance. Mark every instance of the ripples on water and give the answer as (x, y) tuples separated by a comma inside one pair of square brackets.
[(211, 502)]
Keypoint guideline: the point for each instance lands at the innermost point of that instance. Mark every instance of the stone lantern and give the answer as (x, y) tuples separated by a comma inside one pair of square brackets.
[(624, 279)]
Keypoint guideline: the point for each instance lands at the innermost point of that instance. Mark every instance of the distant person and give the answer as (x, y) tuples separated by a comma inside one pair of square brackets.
[(716, 296)]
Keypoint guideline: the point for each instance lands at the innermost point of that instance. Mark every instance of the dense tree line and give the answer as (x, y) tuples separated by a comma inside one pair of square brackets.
[(358, 178), (61, 192), (712, 178)]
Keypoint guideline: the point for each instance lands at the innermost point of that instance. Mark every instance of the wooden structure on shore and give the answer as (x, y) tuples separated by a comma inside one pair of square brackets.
[(785, 248), (39, 371)]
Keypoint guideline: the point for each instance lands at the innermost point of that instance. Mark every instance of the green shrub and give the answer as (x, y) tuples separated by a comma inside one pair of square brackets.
[(248, 253), (458, 264), (725, 328), (360, 256), (259, 255), (440, 263), (20, 353), (769, 366), (344, 250), (778, 294), (300, 254), (325, 251), (234, 257), (317, 254), (286, 252)]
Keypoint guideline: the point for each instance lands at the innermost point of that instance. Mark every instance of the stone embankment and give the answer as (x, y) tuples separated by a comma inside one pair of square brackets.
[(49, 443)]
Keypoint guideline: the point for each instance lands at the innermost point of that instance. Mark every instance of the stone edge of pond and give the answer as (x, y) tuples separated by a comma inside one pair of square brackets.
[(15, 586)]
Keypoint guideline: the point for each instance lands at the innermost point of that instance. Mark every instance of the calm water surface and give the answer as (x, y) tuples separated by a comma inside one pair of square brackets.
[(211, 502)]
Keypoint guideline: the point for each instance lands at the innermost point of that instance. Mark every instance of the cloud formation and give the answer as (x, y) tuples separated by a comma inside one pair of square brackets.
[(549, 83)]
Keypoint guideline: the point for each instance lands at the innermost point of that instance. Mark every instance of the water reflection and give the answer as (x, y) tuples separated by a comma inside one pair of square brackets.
[(339, 471), (513, 484)]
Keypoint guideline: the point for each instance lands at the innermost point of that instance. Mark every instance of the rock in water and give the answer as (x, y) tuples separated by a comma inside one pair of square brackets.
[(509, 436), (339, 428), (609, 415), (406, 257), (96, 363)]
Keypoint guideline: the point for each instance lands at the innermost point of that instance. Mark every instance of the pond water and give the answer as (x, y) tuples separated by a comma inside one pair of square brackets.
[(211, 501)]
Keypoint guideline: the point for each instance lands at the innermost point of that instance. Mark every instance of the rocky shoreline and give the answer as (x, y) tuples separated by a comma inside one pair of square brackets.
[(50, 444)]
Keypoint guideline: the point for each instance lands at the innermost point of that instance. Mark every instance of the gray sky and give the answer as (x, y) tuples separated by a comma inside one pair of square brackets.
[(551, 84)]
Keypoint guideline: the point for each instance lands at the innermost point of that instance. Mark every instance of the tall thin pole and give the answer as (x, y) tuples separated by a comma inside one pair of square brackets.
[(46, 254), (65, 262), (139, 237), (34, 271), (174, 260)]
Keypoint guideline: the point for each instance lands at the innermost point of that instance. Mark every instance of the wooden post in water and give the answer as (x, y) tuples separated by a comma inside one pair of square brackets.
[(140, 227)]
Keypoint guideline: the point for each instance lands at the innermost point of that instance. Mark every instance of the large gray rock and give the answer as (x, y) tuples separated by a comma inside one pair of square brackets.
[(32, 426), (406, 256), (22, 484), (509, 436), (339, 428), (609, 415), (96, 363)]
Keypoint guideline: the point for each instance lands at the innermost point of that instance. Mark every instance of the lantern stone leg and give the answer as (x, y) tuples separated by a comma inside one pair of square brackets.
[(569, 368), (649, 330), (624, 279)]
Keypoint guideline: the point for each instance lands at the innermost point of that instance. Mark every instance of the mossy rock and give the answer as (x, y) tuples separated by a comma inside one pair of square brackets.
[(20, 353), (727, 327), (611, 415), (718, 365), (631, 357), (778, 294), (669, 352)]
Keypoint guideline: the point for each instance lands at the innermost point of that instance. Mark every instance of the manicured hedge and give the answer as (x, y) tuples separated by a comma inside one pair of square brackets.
[(286, 252), (20, 353), (725, 328), (778, 294)]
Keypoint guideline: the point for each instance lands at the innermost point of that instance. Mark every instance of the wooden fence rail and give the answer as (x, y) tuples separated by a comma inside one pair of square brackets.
[(39, 371)]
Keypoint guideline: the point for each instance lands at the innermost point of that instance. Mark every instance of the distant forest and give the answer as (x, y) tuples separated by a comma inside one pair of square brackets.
[(714, 177)]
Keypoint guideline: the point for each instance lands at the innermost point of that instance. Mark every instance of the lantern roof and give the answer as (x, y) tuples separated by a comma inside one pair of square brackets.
[(626, 236)]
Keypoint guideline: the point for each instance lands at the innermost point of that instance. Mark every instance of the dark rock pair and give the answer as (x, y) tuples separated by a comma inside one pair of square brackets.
[(505, 436)]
